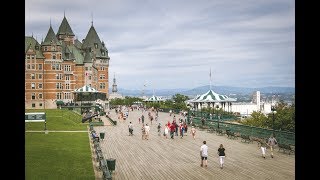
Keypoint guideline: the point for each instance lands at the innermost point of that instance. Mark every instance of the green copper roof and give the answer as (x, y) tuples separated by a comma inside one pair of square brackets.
[(30, 42), (93, 41), (51, 37), (77, 43), (87, 57), (65, 28), (76, 53)]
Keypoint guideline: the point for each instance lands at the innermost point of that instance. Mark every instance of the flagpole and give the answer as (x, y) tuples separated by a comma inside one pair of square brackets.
[(210, 78)]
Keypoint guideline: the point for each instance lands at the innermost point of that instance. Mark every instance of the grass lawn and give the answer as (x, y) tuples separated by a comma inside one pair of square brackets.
[(58, 155), (57, 119)]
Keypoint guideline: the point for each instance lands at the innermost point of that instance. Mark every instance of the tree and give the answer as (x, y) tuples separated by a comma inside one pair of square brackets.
[(179, 98)]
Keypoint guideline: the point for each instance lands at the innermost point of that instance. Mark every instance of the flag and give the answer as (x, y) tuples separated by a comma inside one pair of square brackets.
[(210, 73)]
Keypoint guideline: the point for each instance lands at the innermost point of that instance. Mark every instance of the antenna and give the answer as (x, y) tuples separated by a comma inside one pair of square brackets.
[(91, 18), (210, 78)]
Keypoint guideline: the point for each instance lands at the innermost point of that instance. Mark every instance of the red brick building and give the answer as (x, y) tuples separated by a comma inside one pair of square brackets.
[(60, 64)]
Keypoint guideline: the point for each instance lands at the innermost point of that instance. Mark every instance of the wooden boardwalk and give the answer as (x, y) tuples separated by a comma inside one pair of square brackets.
[(159, 158)]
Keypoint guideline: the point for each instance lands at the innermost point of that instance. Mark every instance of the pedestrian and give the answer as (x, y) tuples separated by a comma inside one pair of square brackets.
[(159, 129), (204, 154), (263, 147), (222, 155), (272, 142), (166, 131), (130, 126), (143, 132), (147, 129), (193, 132)]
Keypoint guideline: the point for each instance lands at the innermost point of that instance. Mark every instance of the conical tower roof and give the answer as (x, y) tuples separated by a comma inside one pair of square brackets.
[(92, 43), (50, 38), (65, 28)]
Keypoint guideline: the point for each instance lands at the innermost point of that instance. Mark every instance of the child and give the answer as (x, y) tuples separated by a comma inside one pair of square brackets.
[(222, 155)]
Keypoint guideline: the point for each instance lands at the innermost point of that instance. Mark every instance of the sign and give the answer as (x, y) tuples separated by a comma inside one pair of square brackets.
[(35, 117)]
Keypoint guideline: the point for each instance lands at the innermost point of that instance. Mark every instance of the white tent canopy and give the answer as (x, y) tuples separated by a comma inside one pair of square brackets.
[(154, 99), (211, 96), (86, 88)]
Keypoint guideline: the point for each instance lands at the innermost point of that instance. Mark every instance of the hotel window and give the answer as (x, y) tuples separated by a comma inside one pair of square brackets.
[(86, 68), (33, 105), (33, 76), (33, 96), (58, 86), (40, 104), (102, 76), (59, 96), (39, 76), (54, 56), (40, 85), (32, 86), (89, 77), (32, 66), (102, 68), (67, 86), (40, 96), (59, 76), (32, 57), (53, 48), (40, 66), (45, 48), (67, 95), (67, 68), (67, 77), (102, 85), (28, 66)]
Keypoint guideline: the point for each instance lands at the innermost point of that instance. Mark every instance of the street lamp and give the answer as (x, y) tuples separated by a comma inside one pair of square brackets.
[(217, 107), (273, 109)]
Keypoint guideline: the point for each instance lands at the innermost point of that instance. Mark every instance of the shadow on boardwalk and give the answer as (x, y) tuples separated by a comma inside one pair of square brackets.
[(160, 158)]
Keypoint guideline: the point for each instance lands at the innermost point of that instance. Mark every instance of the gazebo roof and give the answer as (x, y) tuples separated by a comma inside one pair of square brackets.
[(154, 99), (85, 88), (211, 96)]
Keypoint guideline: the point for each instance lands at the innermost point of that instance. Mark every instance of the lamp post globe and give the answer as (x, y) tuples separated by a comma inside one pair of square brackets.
[(273, 109)]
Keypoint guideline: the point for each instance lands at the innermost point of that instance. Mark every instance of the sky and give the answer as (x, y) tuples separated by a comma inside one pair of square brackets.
[(170, 44)]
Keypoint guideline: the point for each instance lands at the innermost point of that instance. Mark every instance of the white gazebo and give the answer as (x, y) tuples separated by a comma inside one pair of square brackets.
[(154, 99), (211, 98)]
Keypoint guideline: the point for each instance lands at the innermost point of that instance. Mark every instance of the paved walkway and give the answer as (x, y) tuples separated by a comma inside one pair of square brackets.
[(160, 158)]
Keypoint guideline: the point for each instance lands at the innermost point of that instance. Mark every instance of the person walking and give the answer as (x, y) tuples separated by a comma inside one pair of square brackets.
[(222, 155), (193, 132), (272, 141), (159, 129), (166, 131), (130, 126), (143, 132), (147, 129), (263, 147), (204, 154)]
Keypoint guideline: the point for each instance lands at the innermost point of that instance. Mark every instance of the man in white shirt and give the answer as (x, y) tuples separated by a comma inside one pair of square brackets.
[(147, 129), (204, 154)]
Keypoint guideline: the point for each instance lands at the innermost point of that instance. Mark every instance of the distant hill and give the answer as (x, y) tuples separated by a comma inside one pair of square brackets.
[(226, 90)]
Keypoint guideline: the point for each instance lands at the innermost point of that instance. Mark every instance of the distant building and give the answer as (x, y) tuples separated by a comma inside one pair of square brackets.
[(114, 93), (246, 109), (61, 63)]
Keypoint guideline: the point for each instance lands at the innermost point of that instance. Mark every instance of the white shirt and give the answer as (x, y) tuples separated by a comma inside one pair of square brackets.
[(204, 150)]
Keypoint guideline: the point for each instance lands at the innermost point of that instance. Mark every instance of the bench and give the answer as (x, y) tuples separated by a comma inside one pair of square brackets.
[(245, 138), (104, 168), (285, 148), (231, 135), (219, 132)]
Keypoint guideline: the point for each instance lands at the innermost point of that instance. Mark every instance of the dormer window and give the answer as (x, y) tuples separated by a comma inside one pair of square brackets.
[(37, 47), (96, 45), (103, 53)]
